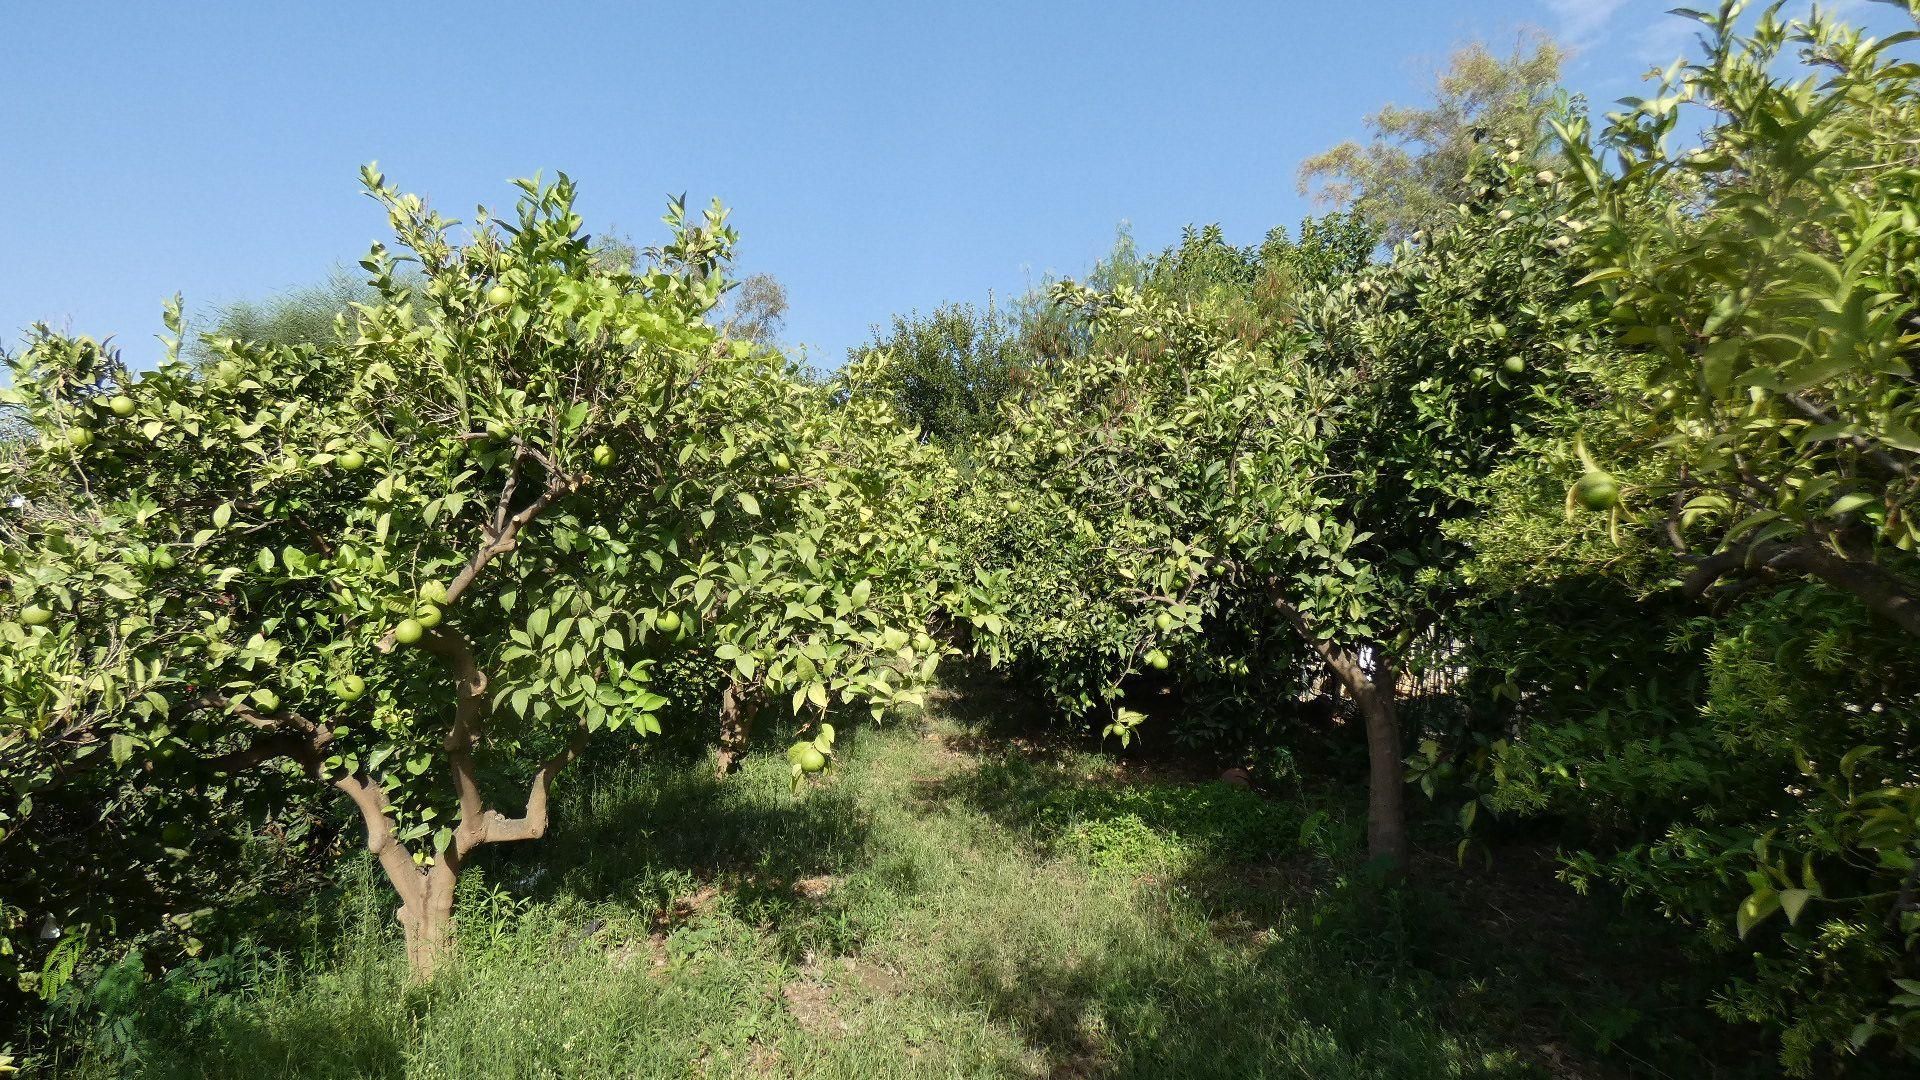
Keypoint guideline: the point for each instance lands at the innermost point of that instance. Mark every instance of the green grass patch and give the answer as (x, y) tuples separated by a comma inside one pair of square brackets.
[(927, 909)]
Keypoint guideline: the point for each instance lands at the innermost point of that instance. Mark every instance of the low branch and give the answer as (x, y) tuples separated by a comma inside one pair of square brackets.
[(469, 710), (1344, 664), (496, 828), (1880, 590), (409, 879), (269, 747), (1871, 452)]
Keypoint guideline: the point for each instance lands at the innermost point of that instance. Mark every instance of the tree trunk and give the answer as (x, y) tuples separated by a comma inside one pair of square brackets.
[(426, 918), (1373, 696), (737, 709), (1386, 775), (427, 922)]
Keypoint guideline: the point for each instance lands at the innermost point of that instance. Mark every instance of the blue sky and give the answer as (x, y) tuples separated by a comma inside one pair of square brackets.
[(878, 157)]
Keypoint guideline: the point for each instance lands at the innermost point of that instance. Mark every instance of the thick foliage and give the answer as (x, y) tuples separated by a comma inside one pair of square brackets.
[(1747, 770), (949, 371), (447, 546)]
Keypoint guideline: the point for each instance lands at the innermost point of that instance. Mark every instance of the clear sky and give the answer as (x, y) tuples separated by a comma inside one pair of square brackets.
[(878, 157)]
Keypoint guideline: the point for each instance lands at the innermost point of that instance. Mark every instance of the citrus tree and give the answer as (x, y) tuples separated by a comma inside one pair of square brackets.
[(825, 600), (1769, 279), (422, 565), (1746, 765), (1150, 499), (1146, 489)]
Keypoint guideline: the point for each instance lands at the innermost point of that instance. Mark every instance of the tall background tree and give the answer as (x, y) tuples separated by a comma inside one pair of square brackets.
[(1412, 169)]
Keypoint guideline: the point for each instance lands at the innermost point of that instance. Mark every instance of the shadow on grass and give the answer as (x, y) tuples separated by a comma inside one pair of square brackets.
[(1128, 1007), (664, 835), (1285, 954)]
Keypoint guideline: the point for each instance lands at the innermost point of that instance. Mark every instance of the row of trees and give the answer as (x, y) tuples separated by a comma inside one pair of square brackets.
[(1593, 498)]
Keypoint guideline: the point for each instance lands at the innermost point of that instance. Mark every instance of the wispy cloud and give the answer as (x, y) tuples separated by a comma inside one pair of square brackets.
[(1665, 40), (1579, 23)]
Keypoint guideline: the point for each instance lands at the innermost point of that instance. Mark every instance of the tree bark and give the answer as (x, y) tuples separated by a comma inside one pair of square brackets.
[(1879, 589), (1374, 697), (426, 922), (737, 709)]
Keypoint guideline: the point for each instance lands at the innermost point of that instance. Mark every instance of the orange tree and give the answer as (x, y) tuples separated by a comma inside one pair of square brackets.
[(1143, 490), (1183, 499), (1768, 280), (422, 565), (1745, 764)]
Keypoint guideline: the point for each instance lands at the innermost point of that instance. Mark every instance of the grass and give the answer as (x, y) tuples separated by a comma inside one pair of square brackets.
[(941, 904)]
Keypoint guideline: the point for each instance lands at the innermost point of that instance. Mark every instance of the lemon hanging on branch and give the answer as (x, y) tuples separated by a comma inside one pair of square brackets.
[(809, 756)]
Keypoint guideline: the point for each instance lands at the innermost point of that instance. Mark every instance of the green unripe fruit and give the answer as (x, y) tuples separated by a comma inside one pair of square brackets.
[(1157, 660), (35, 615), (603, 455), (499, 296), (810, 759), (1514, 365), (433, 592), (1062, 447), (1597, 491), (1163, 621), (428, 616), (408, 632), (79, 438), (121, 405), (668, 622), (782, 463), (349, 688), (351, 460)]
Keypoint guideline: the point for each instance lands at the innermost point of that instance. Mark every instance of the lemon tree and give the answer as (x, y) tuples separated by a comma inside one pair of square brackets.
[(424, 564)]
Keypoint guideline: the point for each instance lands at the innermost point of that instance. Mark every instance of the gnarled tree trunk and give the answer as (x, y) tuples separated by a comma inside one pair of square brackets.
[(426, 891)]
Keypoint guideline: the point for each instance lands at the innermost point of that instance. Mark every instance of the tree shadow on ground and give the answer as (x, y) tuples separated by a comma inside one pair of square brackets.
[(664, 833), (1500, 972)]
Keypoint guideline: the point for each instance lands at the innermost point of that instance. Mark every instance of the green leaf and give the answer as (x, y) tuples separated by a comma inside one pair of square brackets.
[(1755, 909), (1792, 901)]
